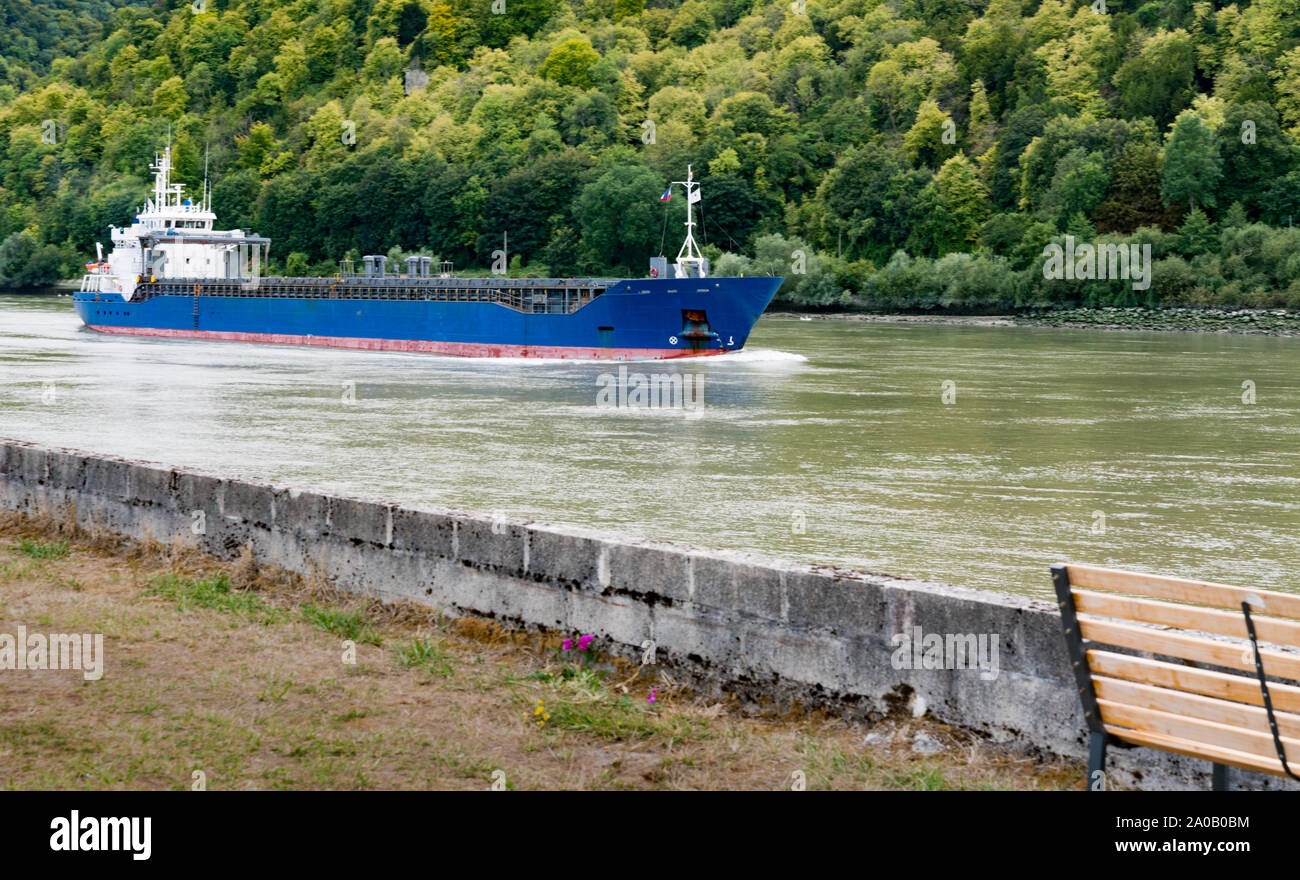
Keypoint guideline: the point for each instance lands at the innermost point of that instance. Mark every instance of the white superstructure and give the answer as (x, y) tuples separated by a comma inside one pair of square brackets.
[(172, 237)]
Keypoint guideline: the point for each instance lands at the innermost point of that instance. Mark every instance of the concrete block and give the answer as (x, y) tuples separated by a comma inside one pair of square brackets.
[(249, 502), (424, 531), (67, 469), (199, 492), (357, 520), (300, 513), (617, 618), (151, 487), (567, 556), (491, 543), (652, 570), (828, 600)]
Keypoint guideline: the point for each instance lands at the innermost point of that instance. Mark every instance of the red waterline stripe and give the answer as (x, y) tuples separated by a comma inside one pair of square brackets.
[(422, 346)]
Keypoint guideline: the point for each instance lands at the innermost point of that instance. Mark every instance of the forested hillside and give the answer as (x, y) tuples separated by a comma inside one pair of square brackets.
[(911, 153)]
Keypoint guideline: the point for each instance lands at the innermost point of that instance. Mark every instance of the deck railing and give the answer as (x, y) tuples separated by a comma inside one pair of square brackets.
[(528, 295)]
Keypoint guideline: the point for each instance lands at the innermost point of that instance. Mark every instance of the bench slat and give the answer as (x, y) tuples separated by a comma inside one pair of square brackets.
[(1197, 750), (1194, 730), (1176, 644), (1182, 590), (1240, 688), (1195, 706), (1225, 623)]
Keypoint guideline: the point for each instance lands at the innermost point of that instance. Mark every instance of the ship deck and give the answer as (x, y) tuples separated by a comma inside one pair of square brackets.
[(529, 295)]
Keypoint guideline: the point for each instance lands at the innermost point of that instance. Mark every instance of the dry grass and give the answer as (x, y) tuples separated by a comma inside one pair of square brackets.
[(240, 673)]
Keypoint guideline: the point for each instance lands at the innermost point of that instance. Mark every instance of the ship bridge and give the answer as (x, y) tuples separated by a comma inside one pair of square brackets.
[(173, 237)]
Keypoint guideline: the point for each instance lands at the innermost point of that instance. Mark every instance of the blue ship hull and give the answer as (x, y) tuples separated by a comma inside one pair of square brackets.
[(628, 319)]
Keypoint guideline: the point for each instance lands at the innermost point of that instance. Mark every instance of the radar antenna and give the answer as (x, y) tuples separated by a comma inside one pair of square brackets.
[(689, 255)]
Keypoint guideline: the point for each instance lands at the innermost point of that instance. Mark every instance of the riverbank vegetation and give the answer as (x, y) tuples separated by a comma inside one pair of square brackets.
[(885, 154)]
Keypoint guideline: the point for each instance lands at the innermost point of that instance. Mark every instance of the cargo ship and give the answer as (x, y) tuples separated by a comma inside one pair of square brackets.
[(172, 274)]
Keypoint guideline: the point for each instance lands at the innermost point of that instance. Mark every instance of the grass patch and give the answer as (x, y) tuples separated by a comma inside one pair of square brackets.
[(213, 592), (923, 777), (39, 550), (425, 654), (581, 703), (345, 624)]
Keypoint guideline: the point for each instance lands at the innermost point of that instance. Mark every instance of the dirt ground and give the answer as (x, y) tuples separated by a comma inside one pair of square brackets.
[(224, 676)]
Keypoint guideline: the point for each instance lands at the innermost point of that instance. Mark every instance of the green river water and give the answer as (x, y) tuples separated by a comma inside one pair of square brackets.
[(823, 441)]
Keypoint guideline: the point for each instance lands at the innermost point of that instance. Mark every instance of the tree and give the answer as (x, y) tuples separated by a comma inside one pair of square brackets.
[(322, 53), (24, 262), (952, 209), (170, 99), (256, 146), (909, 74), (1286, 77), (533, 200), (1078, 186), (1133, 198), (1159, 80), (1255, 153), (691, 25), (933, 138), (870, 199), (628, 9), (1019, 132), (325, 130), (570, 63), (1196, 235), (981, 129), (1192, 166), (619, 215), (383, 63), (291, 65), (438, 42)]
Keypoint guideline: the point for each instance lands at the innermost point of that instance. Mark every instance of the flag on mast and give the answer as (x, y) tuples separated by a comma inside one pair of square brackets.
[(668, 194)]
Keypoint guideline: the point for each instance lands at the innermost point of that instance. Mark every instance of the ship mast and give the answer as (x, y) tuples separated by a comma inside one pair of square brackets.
[(690, 255)]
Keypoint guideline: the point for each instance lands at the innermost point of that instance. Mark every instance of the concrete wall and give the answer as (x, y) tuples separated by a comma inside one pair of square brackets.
[(761, 628)]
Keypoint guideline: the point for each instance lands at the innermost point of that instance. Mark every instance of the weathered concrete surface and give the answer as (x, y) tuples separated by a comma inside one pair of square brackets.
[(733, 622)]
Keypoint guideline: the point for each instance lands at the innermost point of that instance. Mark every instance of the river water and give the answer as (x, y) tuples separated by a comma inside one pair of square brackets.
[(973, 455)]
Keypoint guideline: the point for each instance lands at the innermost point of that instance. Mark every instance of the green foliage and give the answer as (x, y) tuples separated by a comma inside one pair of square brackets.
[(1159, 80), (691, 24), (39, 550), (966, 136), (619, 223), (427, 654), (344, 624), (212, 593), (570, 63), (24, 262), (1193, 165)]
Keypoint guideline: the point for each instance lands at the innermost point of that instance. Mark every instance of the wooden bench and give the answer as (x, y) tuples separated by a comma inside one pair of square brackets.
[(1191, 676)]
